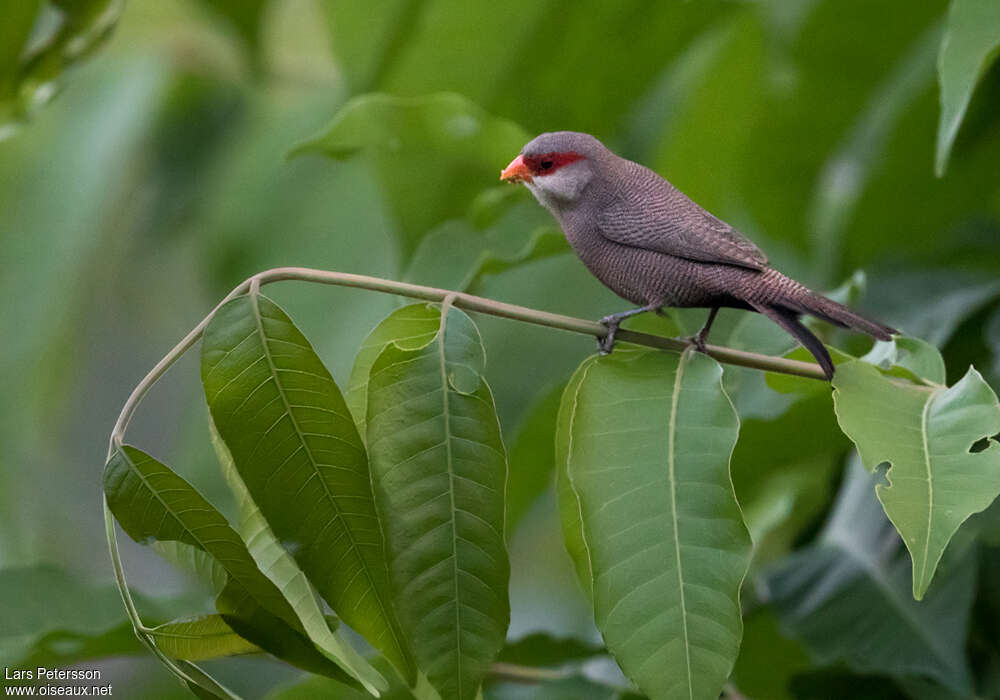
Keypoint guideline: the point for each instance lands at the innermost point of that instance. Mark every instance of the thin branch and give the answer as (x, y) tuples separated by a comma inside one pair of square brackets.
[(468, 302)]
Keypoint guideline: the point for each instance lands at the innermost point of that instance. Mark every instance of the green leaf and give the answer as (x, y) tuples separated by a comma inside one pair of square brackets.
[(432, 154), (460, 253), (199, 638), (440, 471), (708, 119), (19, 17), (316, 687), (846, 173), (912, 358), (932, 304), (782, 471), (543, 649), (411, 327), (768, 659), (970, 44), (544, 243), (570, 513), (925, 433), (279, 566), (532, 456), (847, 597), (456, 257), (649, 440), (298, 452), (197, 562), (52, 618), (83, 26), (151, 502)]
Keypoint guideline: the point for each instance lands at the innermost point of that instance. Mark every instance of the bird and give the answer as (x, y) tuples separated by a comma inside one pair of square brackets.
[(655, 247)]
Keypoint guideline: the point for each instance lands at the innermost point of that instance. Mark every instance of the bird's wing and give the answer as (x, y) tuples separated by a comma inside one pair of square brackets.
[(648, 212)]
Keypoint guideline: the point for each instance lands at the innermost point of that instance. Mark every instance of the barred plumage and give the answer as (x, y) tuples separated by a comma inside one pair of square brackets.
[(652, 245)]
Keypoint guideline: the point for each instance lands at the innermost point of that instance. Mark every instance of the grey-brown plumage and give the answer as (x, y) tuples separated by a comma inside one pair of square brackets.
[(652, 245)]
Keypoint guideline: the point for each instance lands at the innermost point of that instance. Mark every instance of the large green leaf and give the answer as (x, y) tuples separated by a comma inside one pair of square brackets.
[(440, 471), (279, 566), (199, 638), (648, 441), (299, 454), (151, 502), (925, 433), (970, 44), (432, 154), (847, 597)]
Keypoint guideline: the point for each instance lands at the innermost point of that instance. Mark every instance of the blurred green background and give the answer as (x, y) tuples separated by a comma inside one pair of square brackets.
[(158, 179)]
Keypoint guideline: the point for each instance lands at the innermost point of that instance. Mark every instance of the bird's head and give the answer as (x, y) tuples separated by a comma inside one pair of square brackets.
[(557, 167)]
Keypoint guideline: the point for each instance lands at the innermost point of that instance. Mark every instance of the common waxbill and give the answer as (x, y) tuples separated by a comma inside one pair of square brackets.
[(650, 244)]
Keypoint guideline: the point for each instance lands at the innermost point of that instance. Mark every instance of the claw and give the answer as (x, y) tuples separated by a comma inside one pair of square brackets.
[(698, 340), (606, 344)]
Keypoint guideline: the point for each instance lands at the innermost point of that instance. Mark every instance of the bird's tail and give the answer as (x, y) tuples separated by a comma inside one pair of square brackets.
[(808, 302), (789, 320), (787, 299)]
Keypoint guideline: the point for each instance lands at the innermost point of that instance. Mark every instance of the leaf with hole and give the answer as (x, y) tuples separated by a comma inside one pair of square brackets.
[(296, 448), (926, 434), (440, 470), (646, 439)]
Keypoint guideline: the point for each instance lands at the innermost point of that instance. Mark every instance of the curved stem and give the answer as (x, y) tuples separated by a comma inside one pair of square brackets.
[(185, 671)]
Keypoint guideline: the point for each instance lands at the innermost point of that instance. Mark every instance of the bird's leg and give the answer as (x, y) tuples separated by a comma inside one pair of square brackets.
[(606, 344), (701, 336)]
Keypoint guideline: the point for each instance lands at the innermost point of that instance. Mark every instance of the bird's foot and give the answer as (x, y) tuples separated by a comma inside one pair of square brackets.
[(606, 343), (697, 340)]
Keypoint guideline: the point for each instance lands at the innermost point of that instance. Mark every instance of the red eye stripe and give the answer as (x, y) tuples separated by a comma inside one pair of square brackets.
[(548, 163)]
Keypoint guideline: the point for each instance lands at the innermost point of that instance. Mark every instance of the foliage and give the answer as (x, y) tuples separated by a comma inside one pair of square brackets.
[(413, 483)]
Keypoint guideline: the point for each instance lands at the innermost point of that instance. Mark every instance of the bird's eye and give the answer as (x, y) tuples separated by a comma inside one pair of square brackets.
[(546, 164)]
